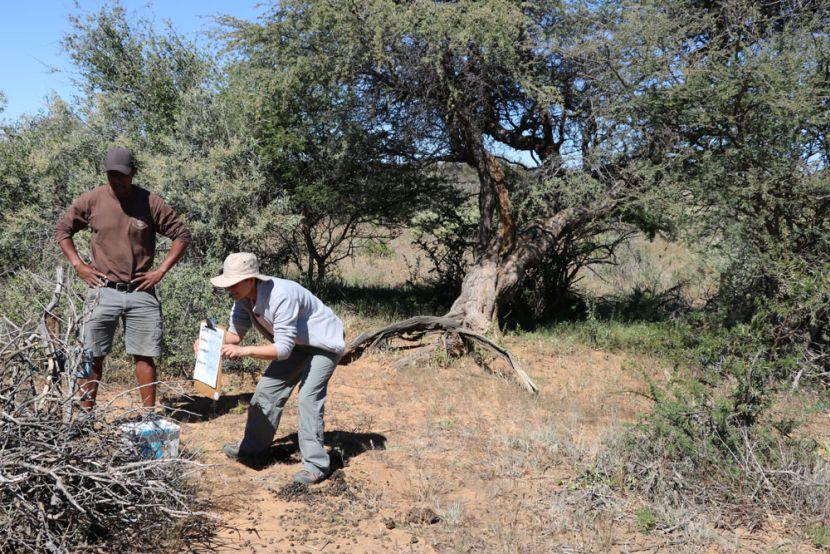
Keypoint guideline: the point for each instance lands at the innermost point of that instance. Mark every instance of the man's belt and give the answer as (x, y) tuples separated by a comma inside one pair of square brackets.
[(122, 287)]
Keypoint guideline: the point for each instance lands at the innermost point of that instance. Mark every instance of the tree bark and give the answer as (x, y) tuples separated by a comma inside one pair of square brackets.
[(496, 275), (485, 284), (475, 306), (488, 284)]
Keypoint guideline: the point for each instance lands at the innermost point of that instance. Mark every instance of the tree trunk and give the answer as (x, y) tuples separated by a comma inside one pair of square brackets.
[(496, 275), (309, 270), (487, 284), (316, 268), (476, 304)]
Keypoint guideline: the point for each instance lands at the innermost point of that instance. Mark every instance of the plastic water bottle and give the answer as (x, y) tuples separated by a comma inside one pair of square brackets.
[(85, 369), (154, 439)]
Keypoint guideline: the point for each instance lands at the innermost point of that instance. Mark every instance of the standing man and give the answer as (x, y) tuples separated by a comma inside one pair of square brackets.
[(305, 342), (124, 220)]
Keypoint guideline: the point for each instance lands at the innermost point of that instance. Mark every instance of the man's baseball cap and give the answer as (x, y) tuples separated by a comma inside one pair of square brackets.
[(119, 159)]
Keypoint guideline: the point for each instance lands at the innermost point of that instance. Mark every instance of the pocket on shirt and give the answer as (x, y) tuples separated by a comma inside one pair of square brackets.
[(140, 227)]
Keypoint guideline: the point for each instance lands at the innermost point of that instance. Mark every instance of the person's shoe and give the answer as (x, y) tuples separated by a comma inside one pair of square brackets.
[(307, 477), (231, 451)]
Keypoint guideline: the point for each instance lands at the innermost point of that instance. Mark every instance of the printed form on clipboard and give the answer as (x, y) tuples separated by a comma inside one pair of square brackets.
[(207, 373)]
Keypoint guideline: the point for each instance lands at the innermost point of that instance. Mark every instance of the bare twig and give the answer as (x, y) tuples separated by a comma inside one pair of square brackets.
[(70, 480)]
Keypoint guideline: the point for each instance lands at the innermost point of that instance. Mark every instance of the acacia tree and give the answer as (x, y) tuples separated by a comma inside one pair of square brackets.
[(323, 150), (739, 95), (462, 81), (132, 73)]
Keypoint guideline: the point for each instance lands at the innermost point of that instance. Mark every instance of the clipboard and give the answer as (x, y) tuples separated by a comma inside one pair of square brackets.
[(207, 371)]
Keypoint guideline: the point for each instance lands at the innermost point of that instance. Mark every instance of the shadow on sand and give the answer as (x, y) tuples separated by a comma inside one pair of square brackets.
[(200, 408), (344, 445)]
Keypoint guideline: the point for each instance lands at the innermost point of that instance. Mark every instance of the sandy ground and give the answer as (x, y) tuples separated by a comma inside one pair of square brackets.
[(442, 459)]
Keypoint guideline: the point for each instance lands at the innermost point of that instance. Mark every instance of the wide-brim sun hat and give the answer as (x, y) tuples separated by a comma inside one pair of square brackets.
[(238, 267)]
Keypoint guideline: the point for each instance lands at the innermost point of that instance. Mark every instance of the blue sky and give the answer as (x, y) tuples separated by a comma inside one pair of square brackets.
[(32, 65)]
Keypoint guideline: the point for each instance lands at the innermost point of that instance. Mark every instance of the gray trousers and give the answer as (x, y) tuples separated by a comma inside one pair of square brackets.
[(312, 369)]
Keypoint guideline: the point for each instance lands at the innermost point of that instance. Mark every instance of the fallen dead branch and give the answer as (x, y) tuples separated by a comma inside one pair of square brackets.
[(454, 339), (68, 479)]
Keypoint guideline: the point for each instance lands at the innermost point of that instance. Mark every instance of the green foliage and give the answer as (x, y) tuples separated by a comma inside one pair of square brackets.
[(347, 179), (188, 297), (696, 449), (736, 105), (819, 535), (427, 83), (140, 74), (738, 97), (548, 288), (710, 438), (446, 234), (45, 161), (645, 519)]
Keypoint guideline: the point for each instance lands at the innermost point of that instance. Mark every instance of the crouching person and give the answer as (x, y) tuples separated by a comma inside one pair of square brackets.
[(305, 342)]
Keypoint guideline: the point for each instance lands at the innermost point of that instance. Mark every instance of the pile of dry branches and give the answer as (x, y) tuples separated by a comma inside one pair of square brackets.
[(68, 479)]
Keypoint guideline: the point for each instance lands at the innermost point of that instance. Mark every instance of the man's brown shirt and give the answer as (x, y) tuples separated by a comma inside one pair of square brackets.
[(123, 229)]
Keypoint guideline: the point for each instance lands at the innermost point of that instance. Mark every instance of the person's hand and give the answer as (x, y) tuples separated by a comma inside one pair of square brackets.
[(147, 279), (90, 275), (233, 351), (196, 346)]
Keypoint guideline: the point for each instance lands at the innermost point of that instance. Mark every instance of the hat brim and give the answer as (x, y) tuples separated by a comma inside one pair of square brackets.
[(224, 281), (125, 169)]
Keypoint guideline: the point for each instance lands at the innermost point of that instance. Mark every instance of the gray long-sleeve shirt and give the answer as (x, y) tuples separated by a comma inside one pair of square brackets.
[(288, 314)]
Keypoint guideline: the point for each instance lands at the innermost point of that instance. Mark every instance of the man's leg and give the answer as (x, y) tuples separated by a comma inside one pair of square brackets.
[(89, 385), (145, 373), (142, 339), (102, 308), (268, 401), (312, 400)]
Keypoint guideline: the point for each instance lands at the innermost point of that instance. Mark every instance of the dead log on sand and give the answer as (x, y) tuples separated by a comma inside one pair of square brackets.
[(455, 339)]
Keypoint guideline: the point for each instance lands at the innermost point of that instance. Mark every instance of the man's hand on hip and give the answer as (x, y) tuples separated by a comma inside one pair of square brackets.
[(148, 279), (90, 275)]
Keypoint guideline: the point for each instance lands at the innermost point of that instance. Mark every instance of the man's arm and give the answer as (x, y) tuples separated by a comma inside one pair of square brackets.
[(170, 225), (75, 219), (149, 279), (260, 351), (231, 348), (286, 310), (86, 272)]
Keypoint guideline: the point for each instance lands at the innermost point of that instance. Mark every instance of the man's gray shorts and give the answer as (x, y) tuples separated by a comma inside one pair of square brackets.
[(140, 312)]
